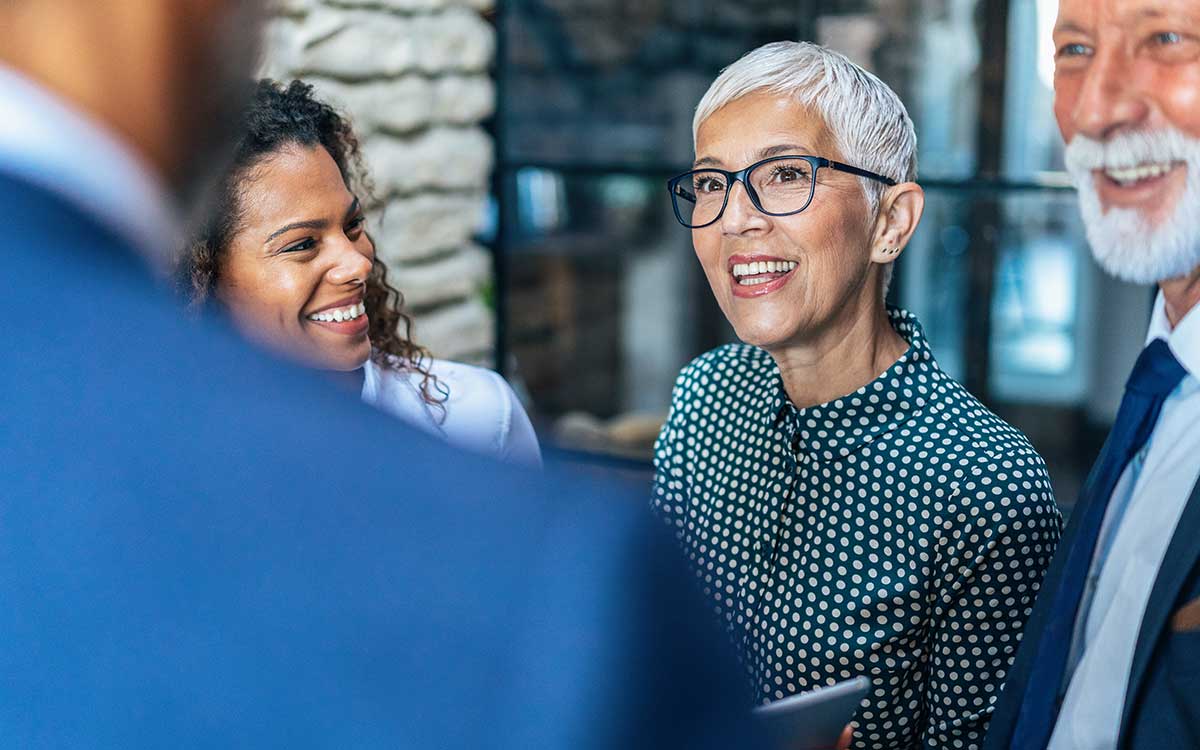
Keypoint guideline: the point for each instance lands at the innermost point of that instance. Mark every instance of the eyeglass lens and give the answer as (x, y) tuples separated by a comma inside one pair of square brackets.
[(781, 187)]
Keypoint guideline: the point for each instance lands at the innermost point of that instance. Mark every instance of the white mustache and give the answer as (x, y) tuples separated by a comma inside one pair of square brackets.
[(1132, 149), (1127, 242)]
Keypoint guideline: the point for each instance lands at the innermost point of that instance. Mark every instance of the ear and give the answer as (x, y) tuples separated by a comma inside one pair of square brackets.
[(900, 212)]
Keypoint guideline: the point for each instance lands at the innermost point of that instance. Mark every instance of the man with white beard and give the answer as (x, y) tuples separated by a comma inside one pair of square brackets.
[(1112, 655)]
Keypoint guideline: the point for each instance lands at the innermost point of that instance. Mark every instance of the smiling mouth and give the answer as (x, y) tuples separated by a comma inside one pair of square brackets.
[(1138, 174), (761, 272), (340, 314)]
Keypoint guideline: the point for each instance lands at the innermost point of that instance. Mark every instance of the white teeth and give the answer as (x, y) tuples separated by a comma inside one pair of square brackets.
[(1129, 175), (350, 312), (761, 267)]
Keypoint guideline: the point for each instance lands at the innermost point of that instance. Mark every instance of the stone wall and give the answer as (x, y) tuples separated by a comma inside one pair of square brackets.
[(414, 77)]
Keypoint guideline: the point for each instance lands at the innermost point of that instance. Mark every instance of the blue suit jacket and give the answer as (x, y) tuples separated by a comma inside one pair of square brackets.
[(202, 547), (1162, 700)]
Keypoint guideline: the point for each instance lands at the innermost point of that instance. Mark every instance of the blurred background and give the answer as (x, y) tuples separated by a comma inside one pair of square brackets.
[(520, 152)]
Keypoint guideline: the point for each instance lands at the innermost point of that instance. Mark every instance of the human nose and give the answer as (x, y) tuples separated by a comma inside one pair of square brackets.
[(741, 215), (1110, 98), (350, 266)]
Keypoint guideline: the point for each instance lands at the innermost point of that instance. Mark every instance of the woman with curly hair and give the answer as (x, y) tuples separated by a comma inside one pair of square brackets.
[(286, 254)]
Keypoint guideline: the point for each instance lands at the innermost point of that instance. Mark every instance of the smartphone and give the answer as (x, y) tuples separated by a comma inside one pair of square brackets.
[(813, 720)]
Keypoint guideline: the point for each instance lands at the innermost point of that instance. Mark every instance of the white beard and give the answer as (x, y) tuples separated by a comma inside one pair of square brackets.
[(1123, 242)]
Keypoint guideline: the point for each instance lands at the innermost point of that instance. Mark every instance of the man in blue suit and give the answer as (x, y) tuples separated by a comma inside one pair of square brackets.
[(1111, 657), (201, 547)]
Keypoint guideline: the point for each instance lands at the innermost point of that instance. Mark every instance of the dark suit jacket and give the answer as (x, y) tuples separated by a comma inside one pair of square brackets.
[(1162, 701), (202, 547)]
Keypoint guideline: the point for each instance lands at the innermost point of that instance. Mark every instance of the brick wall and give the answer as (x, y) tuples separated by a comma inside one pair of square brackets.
[(414, 77)]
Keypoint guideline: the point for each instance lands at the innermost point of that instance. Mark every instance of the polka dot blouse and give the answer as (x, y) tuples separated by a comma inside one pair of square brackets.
[(900, 532)]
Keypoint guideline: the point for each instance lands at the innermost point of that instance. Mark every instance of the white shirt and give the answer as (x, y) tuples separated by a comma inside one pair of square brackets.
[(482, 414), (49, 143), (1161, 484)]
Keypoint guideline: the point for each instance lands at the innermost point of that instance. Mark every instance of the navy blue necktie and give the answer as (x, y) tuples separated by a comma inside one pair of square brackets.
[(1155, 375)]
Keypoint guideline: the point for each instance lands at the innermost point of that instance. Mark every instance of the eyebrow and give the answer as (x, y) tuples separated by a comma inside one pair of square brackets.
[(1143, 14), (766, 153), (1069, 27), (313, 223), (786, 148)]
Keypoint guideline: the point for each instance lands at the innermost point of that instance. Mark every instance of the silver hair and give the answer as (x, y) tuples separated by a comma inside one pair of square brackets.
[(869, 123)]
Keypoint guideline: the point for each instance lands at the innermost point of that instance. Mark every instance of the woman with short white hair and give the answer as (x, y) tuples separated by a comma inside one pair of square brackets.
[(851, 509)]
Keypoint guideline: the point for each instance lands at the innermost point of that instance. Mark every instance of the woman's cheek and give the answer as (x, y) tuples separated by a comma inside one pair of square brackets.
[(291, 294), (708, 252)]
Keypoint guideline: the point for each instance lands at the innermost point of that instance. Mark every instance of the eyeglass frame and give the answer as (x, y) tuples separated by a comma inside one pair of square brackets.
[(816, 162)]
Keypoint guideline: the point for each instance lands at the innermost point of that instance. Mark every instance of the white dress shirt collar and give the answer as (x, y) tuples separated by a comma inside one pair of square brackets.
[(1183, 340), (49, 143)]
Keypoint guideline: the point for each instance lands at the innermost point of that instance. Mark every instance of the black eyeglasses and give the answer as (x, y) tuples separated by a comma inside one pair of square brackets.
[(779, 186)]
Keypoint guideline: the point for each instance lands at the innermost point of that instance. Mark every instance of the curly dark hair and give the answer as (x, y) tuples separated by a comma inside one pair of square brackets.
[(280, 116)]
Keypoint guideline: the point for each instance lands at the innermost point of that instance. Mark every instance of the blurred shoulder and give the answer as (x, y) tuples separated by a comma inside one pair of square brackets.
[(145, 426)]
